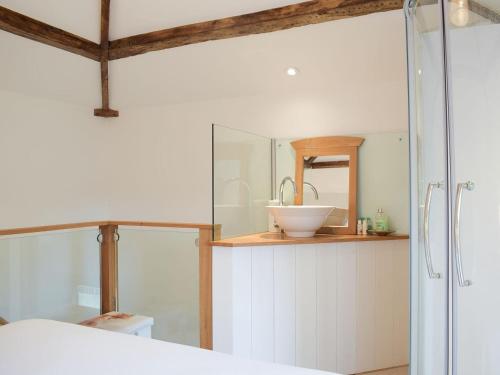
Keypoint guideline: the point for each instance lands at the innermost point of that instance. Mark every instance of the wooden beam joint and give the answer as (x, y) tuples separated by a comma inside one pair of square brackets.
[(102, 112), (105, 111)]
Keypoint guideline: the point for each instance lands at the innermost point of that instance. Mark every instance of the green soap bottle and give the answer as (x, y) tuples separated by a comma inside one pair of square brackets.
[(381, 221)]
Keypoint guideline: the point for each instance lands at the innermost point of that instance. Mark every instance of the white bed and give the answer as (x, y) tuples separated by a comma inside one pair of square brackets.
[(45, 347)]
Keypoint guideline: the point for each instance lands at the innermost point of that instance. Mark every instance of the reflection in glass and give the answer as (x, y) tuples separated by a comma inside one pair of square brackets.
[(332, 184), (158, 277), (50, 276), (241, 181), (459, 12)]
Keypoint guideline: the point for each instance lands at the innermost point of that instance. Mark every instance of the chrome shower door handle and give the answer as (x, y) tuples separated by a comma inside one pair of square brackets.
[(457, 248), (427, 246)]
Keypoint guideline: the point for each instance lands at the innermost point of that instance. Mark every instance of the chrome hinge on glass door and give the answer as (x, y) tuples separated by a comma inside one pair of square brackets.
[(410, 7), (427, 246), (457, 248)]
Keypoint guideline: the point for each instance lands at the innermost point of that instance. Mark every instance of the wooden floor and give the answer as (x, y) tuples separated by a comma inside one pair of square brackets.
[(394, 371)]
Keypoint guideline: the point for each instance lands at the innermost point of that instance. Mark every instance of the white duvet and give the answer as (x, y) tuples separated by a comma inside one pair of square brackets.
[(45, 347)]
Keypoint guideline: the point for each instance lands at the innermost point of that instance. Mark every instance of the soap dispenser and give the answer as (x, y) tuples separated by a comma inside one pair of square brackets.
[(381, 221)]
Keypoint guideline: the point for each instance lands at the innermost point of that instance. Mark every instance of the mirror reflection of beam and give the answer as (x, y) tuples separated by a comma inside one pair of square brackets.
[(311, 163), (483, 11), (326, 164)]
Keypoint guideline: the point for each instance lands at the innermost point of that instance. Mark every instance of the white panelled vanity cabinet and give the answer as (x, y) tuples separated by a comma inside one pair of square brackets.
[(336, 306)]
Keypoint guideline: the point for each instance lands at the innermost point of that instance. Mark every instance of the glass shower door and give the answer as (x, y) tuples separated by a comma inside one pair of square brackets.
[(474, 105), (429, 190)]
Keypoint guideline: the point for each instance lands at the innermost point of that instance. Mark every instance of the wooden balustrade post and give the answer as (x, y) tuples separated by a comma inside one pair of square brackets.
[(205, 271), (109, 268)]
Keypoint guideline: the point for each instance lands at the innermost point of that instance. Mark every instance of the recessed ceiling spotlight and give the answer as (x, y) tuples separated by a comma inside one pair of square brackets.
[(292, 72)]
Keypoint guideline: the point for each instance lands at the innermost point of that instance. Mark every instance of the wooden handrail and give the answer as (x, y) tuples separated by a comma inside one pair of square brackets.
[(109, 262), (89, 224), (154, 224), (50, 228)]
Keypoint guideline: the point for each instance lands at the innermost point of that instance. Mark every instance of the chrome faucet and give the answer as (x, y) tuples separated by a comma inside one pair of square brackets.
[(282, 187), (315, 191)]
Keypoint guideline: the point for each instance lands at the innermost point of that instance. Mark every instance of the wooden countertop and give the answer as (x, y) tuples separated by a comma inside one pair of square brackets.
[(269, 239)]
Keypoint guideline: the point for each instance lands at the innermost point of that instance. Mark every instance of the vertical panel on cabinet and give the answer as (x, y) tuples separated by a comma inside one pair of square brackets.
[(284, 304), (401, 332), (305, 284), (346, 307), (365, 307), (263, 303), (222, 295), (242, 301), (327, 306), (384, 304)]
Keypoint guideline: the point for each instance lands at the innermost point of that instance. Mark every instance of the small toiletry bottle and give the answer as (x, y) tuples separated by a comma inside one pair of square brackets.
[(365, 226), (360, 226), (369, 222), (273, 226), (381, 221)]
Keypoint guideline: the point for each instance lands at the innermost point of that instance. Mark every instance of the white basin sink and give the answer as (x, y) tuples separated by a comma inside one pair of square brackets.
[(300, 221)]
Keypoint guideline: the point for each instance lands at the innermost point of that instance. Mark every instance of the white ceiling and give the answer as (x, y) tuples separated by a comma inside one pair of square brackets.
[(130, 17), (340, 57), (335, 56), (80, 17)]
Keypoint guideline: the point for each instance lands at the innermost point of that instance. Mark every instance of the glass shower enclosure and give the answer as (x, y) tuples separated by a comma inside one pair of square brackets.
[(454, 85)]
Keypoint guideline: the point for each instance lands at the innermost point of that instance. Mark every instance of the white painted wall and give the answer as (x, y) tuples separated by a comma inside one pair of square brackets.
[(154, 160), (384, 180), (54, 162)]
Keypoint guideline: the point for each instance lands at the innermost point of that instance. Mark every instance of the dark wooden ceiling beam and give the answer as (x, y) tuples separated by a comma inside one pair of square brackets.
[(296, 15), (301, 14), (105, 111), (30, 28)]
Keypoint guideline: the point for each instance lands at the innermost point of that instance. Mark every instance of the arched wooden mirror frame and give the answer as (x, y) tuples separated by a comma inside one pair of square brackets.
[(306, 150)]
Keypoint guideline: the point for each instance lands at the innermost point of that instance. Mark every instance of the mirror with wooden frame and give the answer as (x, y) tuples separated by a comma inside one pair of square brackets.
[(330, 164)]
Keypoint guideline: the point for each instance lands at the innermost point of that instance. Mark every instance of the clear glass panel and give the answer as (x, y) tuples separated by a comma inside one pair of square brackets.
[(241, 181), (158, 277), (474, 99), (50, 276), (429, 196)]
